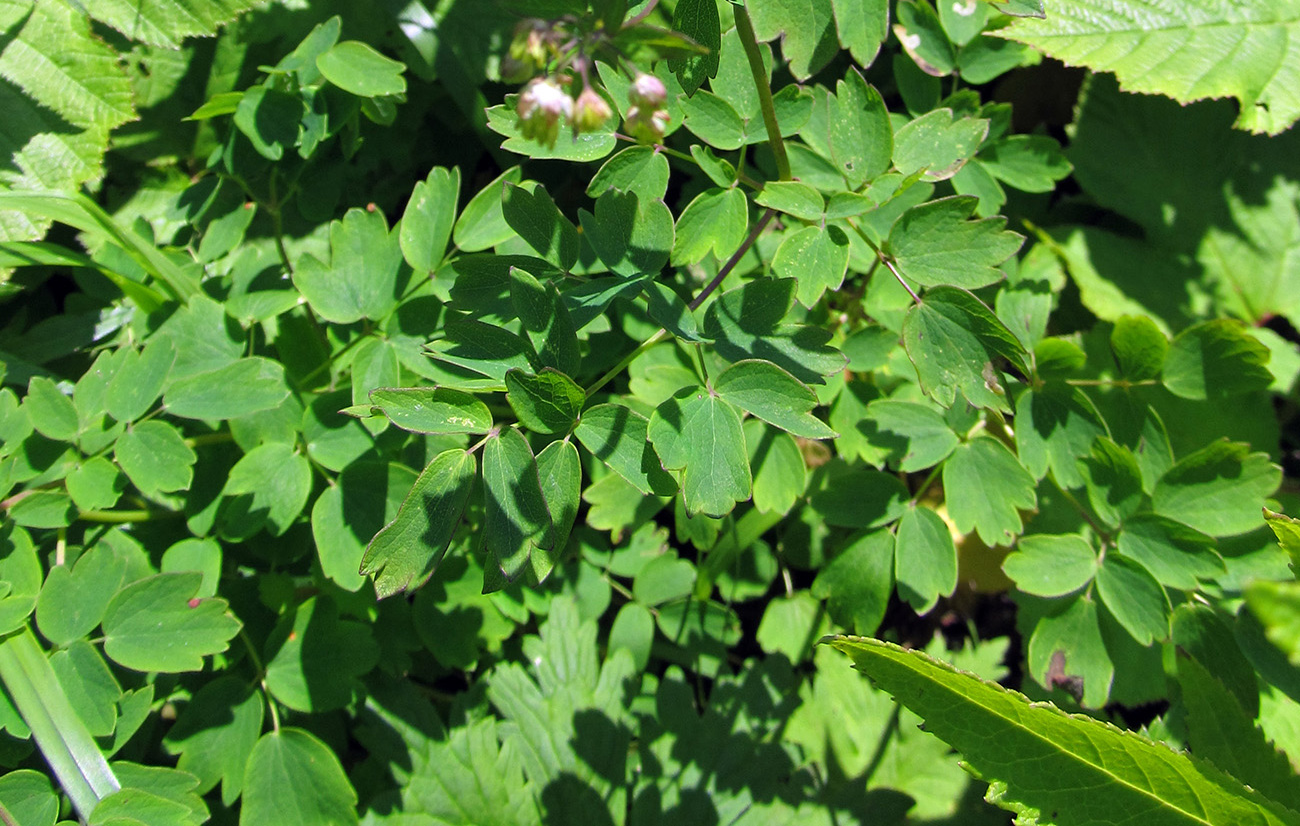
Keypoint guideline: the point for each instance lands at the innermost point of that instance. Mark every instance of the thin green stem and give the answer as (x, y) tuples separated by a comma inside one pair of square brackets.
[(1122, 384), (127, 517), (261, 678), (625, 361), (745, 28), (884, 259)]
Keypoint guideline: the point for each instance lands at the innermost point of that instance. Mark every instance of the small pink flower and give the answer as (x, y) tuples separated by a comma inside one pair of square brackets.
[(542, 108), (590, 111), (646, 125), (647, 92)]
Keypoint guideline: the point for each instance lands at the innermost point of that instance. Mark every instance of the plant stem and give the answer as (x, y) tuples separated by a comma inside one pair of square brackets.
[(126, 517), (734, 259), (625, 361), (745, 28), (884, 259)]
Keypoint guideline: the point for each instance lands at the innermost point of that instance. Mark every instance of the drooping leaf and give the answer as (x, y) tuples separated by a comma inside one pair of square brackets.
[(404, 554), (937, 243), (1070, 752), (700, 435), (773, 395), (1164, 51), (546, 321), (545, 402), (559, 470), (698, 20), (428, 219), (856, 584), (617, 436), (432, 409), (517, 518), (158, 624)]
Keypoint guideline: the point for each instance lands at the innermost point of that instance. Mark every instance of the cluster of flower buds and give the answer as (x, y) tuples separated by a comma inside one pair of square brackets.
[(543, 108), (646, 118), (530, 50)]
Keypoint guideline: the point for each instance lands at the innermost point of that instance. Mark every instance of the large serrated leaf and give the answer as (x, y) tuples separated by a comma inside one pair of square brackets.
[(1189, 51), (1044, 762)]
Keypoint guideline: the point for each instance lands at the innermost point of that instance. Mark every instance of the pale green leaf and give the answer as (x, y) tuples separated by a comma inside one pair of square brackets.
[(158, 624), (432, 409), (516, 516), (700, 434), (1051, 566), (1218, 490), (937, 144), (773, 395), (1134, 598), (986, 487), (294, 779), (925, 559), (360, 280), (816, 257), (357, 68), (937, 243), (1216, 360), (857, 583), (954, 341), (428, 219), (715, 221), (168, 22)]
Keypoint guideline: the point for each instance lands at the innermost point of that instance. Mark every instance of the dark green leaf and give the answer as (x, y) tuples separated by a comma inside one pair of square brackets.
[(428, 219), (405, 553), (559, 470), (639, 169), (667, 309), (1175, 554), (432, 409), (1030, 163), (1139, 347), (913, 434), (618, 437), (74, 598), (1056, 426), (632, 235), (856, 584), (780, 475), (1134, 598), (663, 579), (860, 499), (215, 734), (313, 658), (357, 68), (268, 487), (749, 323), (294, 779), (546, 321), (925, 559), (483, 348), (1113, 480), (1218, 489), (534, 216), (954, 341), (1216, 360), (1067, 651), (140, 380), (516, 517), (547, 402), (698, 20), (360, 280), (481, 223), (773, 395), (861, 138), (269, 118), (937, 144)]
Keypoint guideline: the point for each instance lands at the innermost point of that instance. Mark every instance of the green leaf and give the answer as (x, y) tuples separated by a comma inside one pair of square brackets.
[(994, 729), (155, 458), (698, 20), (241, 387), (74, 599), (1134, 598), (793, 198), (860, 498), (817, 257), (716, 220), (483, 348), (860, 135), (432, 409), (52, 413), (765, 390), (916, 436), (66, 90), (89, 685), (862, 27), (28, 797), (428, 219), (215, 733), (269, 118), (1056, 426), (985, 487), (357, 68), (1113, 480), (346, 516), (1030, 163), (937, 144), (1216, 360), (1220, 730), (167, 22), (1218, 489), (663, 579), (700, 434), (808, 29), (922, 36), (516, 516), (954, 341), (294, 779), (632, 235), (1175, 554), (533, 215), (780, 475), (559, 469), (1165, 51), (139, 380), (1139, 347), (857, 583), (1287, 530), (546, 321), (749, 322), (1051, 566), (713, 120), (585, 146), (546, 402), (482, 223), (404, 554), (313, 658), (158, 624), (268, 487), (360, 280), (935, 243), (925, 559), (639, 169), (667, 309), (617, 436)]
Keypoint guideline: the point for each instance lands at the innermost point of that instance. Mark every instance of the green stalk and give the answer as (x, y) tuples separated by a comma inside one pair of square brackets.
[(62, 738), (745, 28)]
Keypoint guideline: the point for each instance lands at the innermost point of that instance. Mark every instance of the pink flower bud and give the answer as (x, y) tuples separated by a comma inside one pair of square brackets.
[(646, 125), (590, 111), (542, 108), (647, 92)]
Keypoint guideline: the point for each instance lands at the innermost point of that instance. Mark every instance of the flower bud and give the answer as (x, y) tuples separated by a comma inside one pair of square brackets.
[(647, 92), (542, 108), (646, 125), (590, 111)]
